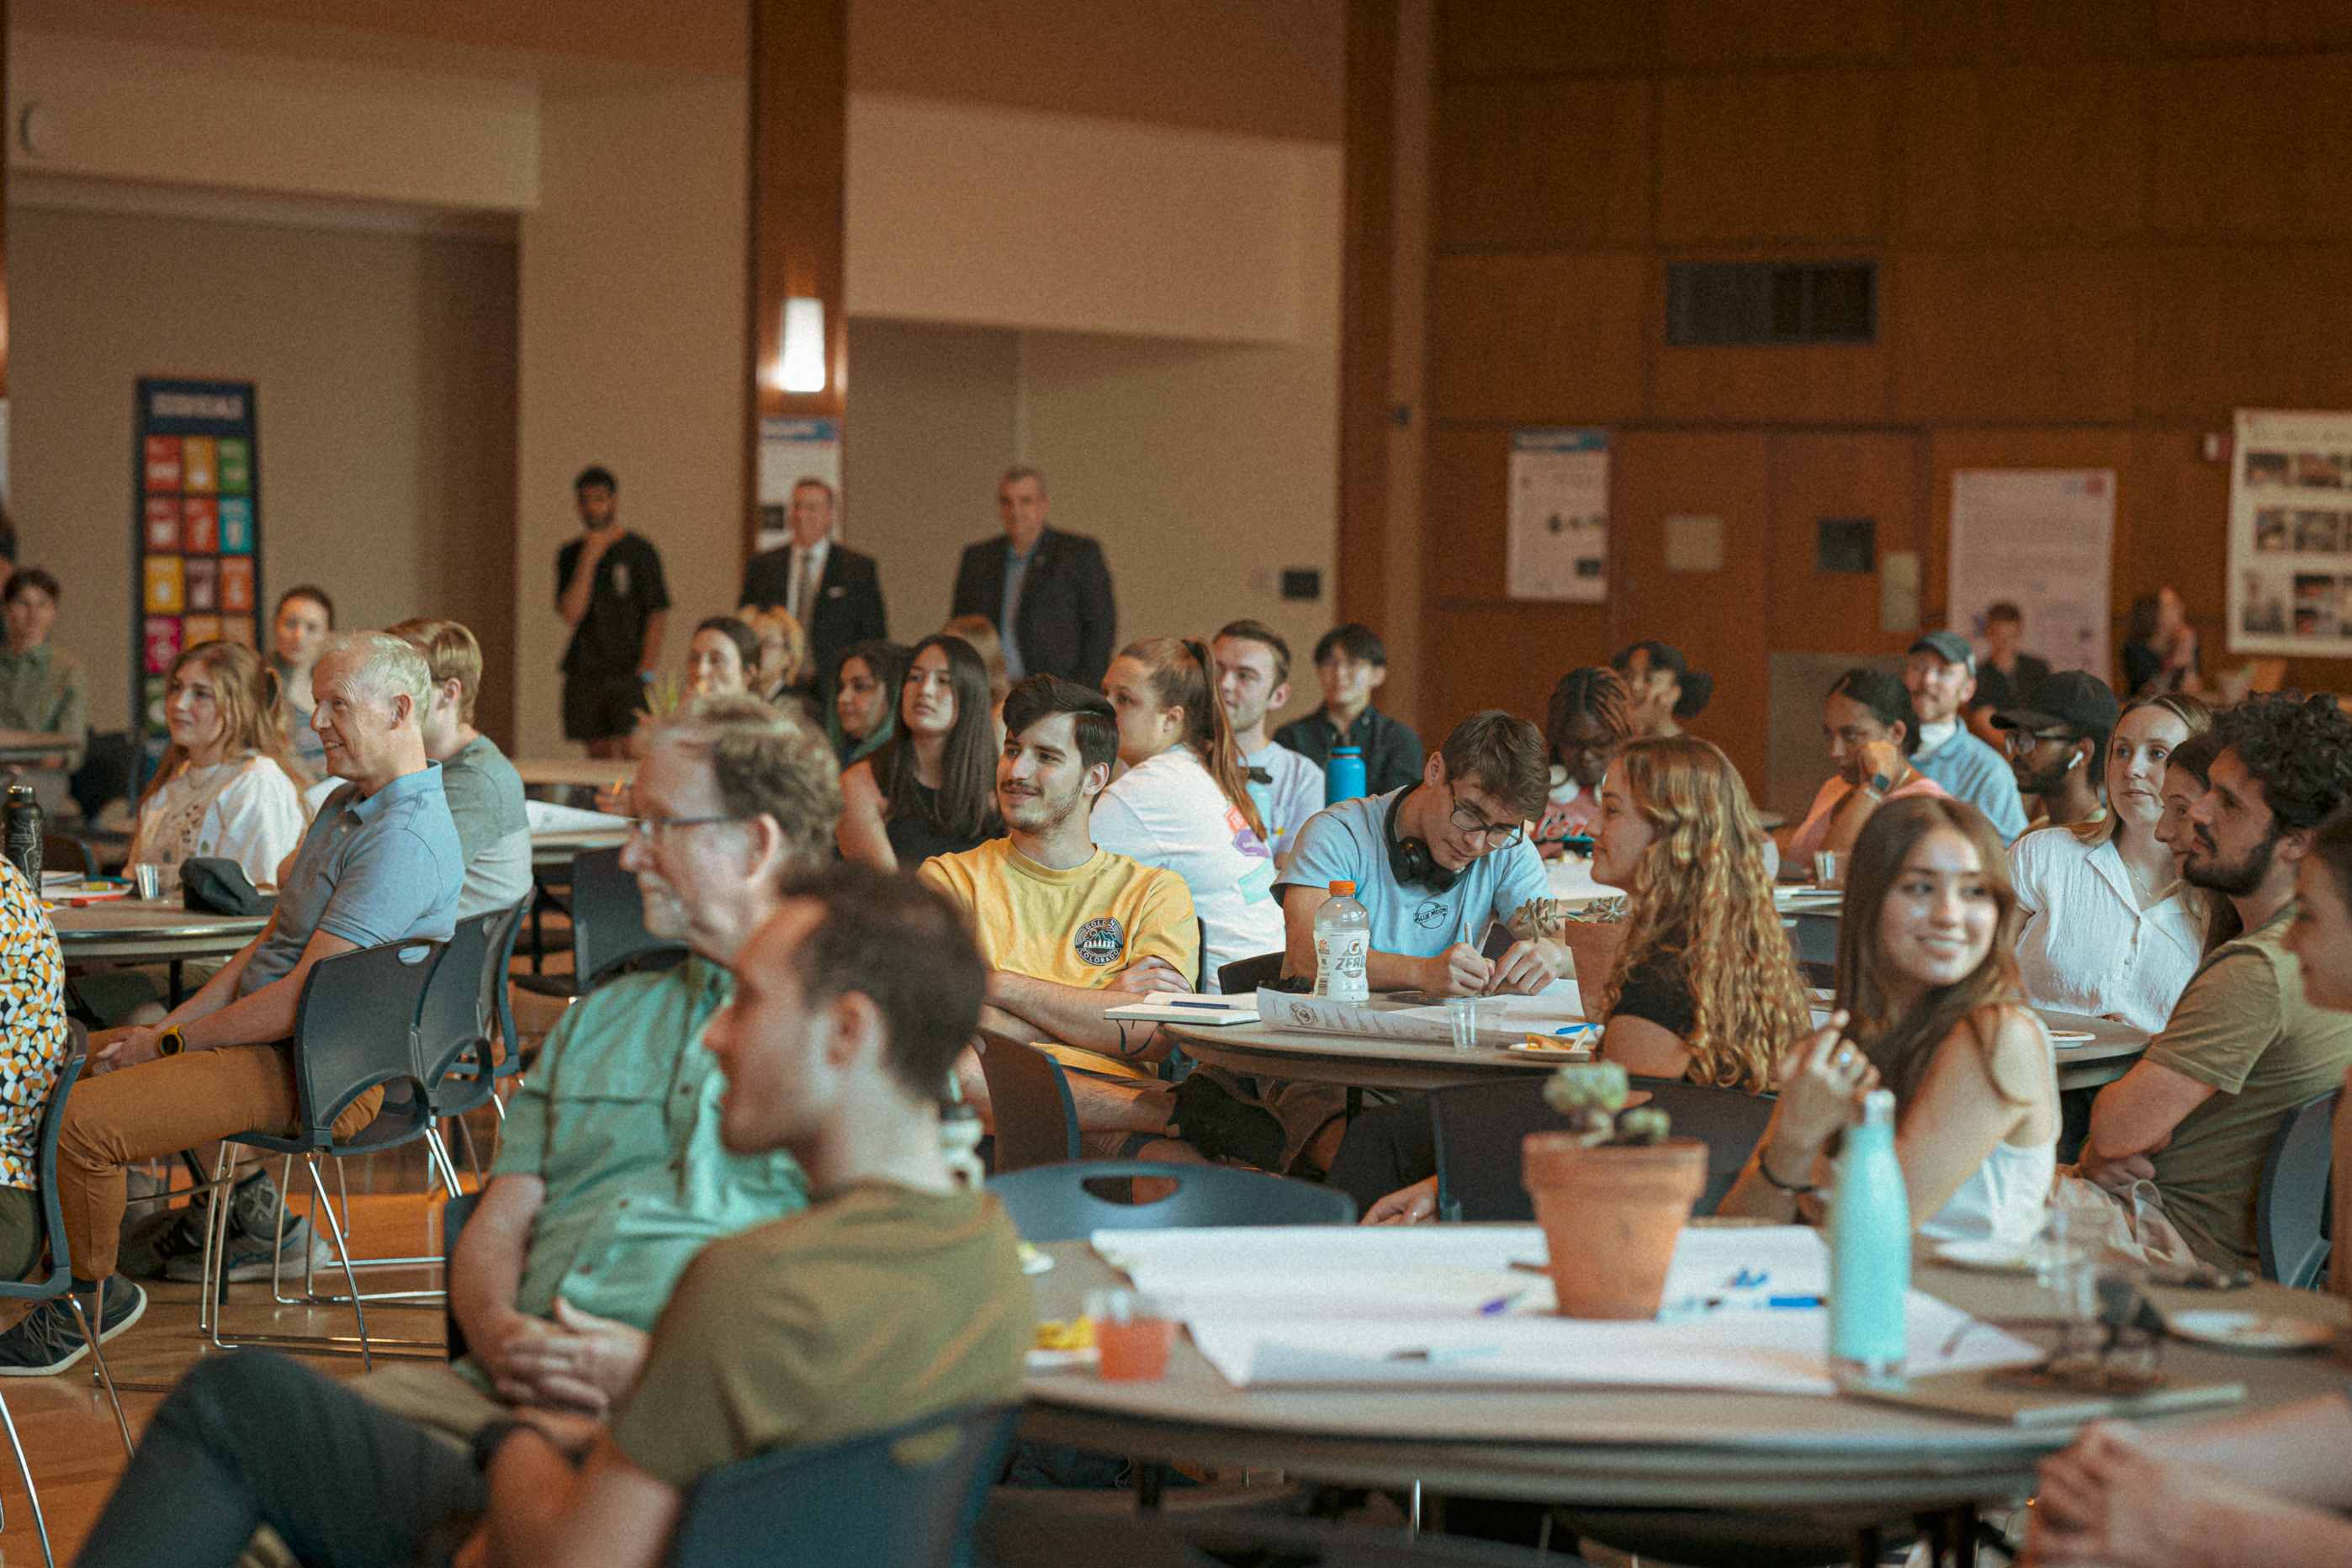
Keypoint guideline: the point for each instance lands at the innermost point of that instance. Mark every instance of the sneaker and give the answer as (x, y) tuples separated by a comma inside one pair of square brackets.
[(253, 1205), (49, 1340), (250, 1257)]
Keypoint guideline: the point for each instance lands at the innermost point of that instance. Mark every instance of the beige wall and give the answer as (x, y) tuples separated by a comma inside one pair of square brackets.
[(383, 367), (632, 354)]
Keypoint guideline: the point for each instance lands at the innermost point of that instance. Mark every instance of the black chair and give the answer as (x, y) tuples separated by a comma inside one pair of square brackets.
[(608, 929), (1242, 977), (857, 1503), (454, 1216), (62, 853), (1813, 939), (2294, 1210), (58, 1281), (1051, 1203), (1478, 1126), (105, 772), (354, 1029), (1029, 1099), (465, 1030)]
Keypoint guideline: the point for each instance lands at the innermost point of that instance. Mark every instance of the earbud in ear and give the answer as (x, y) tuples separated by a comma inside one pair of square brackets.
[(2074, 761)]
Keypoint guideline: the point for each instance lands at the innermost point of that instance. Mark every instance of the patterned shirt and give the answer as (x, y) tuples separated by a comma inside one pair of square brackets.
[(33, 1032)]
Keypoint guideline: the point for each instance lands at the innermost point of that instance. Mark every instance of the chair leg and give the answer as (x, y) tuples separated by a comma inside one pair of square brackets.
[(473, 1156), (98, 1358), (343, 1251), (214, 1272), (31, 1495)]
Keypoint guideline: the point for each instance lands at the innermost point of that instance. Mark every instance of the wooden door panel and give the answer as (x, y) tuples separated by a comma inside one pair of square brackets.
[(1843, 477)]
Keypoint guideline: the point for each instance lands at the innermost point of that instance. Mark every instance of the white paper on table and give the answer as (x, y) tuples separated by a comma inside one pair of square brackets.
[(1324, 1305), (1558, 1003), (546, 817)]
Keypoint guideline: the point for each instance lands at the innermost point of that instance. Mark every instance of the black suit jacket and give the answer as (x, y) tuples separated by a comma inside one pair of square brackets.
[(848, 607), (1068, 623)]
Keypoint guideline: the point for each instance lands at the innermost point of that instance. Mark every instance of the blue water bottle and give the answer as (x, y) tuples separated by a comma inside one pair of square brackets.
[(1343, 776), (1870, 1251)]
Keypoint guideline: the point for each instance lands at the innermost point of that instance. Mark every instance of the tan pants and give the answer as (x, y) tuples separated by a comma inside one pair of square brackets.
[(159, 1108)]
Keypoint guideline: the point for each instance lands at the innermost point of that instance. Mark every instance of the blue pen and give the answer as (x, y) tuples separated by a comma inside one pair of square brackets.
[(1500, 1304), (1210, 1006)]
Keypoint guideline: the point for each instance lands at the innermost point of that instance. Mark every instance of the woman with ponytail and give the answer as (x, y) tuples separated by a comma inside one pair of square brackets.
[(226, 786), (1183, 803)]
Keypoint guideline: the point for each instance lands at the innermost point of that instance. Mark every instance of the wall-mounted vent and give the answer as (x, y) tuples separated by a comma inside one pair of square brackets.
[(1719, 303)]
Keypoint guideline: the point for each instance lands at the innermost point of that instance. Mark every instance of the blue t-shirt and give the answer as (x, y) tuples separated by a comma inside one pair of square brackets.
[(1973, 772), (1344, 842), (383, 869)]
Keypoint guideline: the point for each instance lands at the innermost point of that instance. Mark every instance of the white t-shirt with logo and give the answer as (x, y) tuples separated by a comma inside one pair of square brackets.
[(1168, 812)]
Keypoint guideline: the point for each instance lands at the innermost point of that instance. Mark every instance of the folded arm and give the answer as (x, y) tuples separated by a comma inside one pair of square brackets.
[(2133, 1118)]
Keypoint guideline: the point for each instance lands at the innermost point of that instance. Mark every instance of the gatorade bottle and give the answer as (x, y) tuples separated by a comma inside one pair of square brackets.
[(1343, 936), (1343, 777), (1870, 1249)]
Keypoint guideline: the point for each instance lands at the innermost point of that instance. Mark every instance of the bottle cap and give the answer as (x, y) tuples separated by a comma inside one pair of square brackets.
[(1343, 889), (1878, 1105), (1347, 750)]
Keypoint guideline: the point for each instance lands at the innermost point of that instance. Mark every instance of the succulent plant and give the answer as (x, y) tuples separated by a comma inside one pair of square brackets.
[(1592, 1096)]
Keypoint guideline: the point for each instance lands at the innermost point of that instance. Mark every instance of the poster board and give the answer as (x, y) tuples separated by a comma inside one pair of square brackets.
[(791, 450), (2043, 540), (196, 534), (2291, 534), (1559, 521)]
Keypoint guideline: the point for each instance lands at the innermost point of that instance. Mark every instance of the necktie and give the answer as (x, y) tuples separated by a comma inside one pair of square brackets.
[(803, 589)]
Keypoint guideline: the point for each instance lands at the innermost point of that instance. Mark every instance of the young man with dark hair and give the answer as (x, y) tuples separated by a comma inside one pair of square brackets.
[(1432, 863), (1351, 663), (2196, 1114), (609, 590), (1941, 674), (1253, 680), (2007, 677), (897, 1295), (834, 592), (1070, 930), (484, 792), (2058, 747)]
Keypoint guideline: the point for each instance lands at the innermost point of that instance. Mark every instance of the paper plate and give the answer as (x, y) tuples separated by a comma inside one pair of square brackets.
[(2071, 1036), (2250, 1331), (1990, 1257)]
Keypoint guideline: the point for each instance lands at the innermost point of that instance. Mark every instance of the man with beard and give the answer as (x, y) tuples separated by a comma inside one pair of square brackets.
[(2196, 1114), (1942, 675), (2059, 747), (611, 1174), (1070, 930)]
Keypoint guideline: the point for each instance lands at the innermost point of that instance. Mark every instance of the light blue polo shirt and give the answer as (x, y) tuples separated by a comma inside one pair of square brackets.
[(383, 869), (1344, 842)]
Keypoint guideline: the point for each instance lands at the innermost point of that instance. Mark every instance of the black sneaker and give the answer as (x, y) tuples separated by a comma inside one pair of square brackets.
[(49, 1340)]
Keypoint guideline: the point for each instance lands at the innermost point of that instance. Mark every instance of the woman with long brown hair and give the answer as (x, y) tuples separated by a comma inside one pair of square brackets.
[(1703, 987), (226, 785), (1929, 1006), (2104, 923), (1183, 803), (932, 790)]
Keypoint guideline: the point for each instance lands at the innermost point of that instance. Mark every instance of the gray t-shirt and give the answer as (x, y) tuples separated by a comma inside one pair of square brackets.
[(1344, 842), (383, 869), (493, 830)]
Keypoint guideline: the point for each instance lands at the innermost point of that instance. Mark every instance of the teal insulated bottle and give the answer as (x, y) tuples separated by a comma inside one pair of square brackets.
[(1870, 1249)]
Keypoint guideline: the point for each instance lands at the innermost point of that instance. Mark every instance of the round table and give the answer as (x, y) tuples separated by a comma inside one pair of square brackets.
[(1625, 1446), (1358, 1061), (584, 772), (2103, 1058), (132, 930), (556, 847)]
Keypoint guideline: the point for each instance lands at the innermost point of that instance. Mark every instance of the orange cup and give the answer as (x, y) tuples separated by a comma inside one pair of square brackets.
[(1135, 1351)]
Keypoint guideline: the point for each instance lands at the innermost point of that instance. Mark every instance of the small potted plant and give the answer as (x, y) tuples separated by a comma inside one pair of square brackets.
[(1611, 1192)]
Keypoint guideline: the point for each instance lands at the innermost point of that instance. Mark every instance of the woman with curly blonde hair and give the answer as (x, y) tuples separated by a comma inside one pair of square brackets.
[(1704, 986)]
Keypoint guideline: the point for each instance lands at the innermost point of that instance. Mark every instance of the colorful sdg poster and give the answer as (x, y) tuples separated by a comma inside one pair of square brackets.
[(196, 533)]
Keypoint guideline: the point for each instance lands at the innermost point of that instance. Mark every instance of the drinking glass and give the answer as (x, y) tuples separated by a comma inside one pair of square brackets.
[(149, 882), (1461, 1017), (1829, 869), (1132, 1335)]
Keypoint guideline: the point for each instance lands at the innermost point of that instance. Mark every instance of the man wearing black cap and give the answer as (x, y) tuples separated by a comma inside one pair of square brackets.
[(1942, 677), (2059, 746)]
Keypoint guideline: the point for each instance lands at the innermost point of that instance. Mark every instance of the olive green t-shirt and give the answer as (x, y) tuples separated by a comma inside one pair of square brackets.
[(2242, 1027), (877, 1305)]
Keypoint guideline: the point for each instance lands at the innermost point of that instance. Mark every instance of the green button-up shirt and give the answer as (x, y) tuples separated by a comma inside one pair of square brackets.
[(42, 690), (620, 1119)]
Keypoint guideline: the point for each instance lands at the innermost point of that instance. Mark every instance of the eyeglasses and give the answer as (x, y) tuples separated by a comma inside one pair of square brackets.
[(652, 828), (2018, 742), (1499, 835)]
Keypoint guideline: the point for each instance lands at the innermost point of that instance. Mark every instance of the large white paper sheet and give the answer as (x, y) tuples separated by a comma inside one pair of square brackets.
[(546, 817), (2043, 540), (1556, 1007), (1280, 1306)]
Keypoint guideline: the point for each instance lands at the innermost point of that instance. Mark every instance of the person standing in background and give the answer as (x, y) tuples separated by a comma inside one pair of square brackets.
[(830, 589), (609, 590), (1046, 592), (305, 618), (1253, 680), (2161, 653)]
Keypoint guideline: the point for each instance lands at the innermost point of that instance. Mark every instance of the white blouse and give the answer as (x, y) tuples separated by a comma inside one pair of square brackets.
[(2087, 946), (245, 809), (1168, 812)]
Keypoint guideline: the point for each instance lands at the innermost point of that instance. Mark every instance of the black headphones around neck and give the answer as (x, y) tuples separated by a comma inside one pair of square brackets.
[(1410, 860)]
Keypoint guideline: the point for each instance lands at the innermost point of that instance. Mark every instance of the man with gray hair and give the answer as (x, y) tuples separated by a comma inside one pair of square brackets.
[(379, 863), (611, 1173), (1046, 592)]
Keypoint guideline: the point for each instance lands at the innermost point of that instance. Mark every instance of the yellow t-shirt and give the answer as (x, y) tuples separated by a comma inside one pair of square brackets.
[(1078, 927)]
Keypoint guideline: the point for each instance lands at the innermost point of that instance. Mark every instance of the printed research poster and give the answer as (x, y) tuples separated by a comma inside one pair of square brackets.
[(1559, 534), (2291, 534), (2042, 539)]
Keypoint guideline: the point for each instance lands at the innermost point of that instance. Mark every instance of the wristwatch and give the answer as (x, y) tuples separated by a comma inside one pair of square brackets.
[(171, 1042)]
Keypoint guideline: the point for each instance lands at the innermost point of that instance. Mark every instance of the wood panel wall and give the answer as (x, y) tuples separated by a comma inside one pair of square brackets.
[(2099, 227)]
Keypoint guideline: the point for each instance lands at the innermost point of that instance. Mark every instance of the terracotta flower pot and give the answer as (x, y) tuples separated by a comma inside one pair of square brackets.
[(1610, 1215)]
